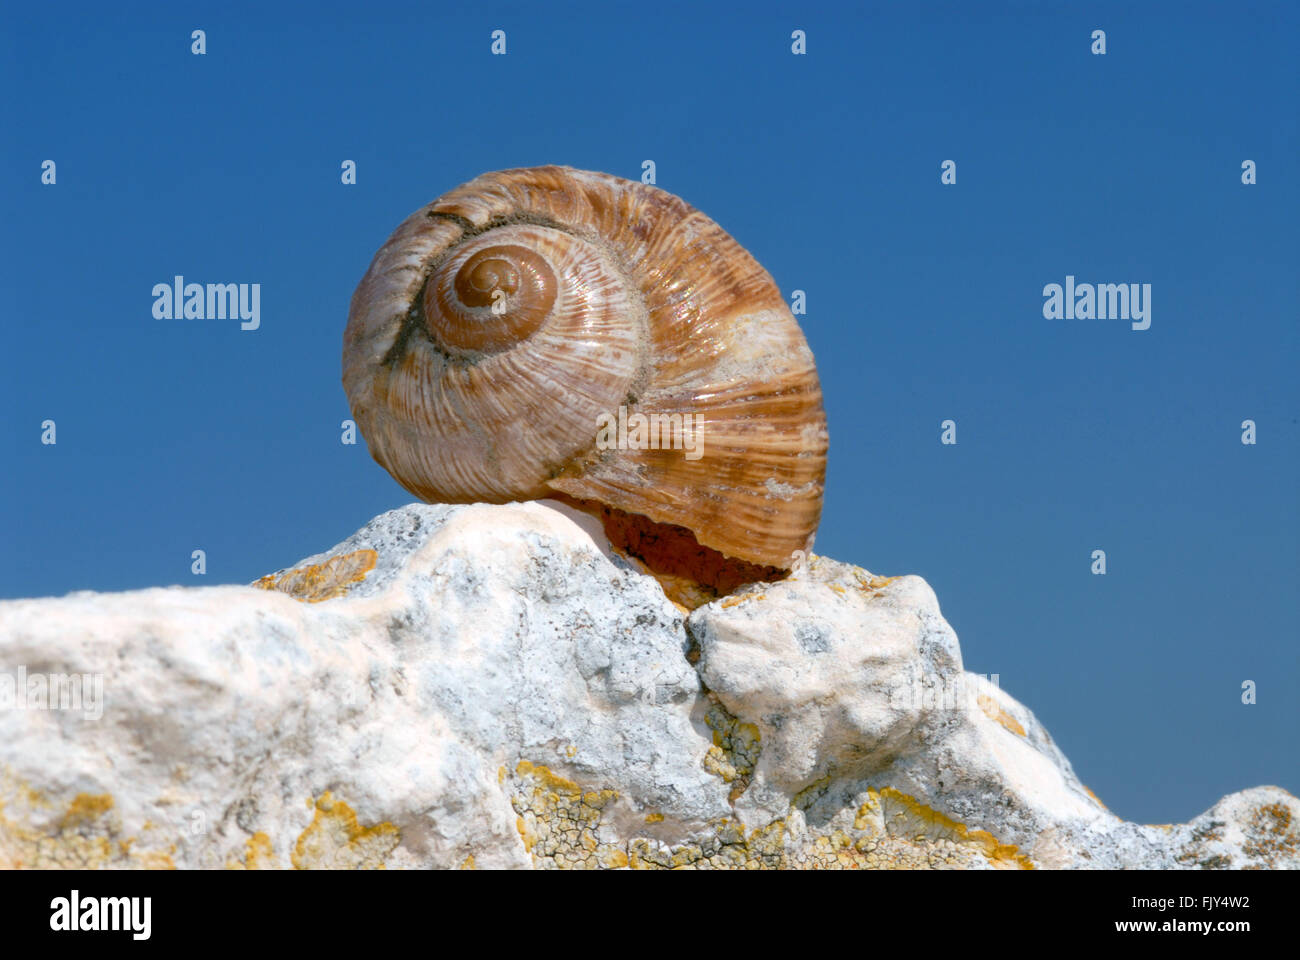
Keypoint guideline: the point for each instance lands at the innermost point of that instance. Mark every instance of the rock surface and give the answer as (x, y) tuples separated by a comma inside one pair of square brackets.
[(461, 686)]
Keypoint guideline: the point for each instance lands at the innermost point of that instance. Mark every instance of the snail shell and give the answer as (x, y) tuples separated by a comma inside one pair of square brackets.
[(498, 324)]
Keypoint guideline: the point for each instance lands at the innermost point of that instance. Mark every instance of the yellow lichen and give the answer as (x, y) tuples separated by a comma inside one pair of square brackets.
[(810, 794), (613, 859), (736, 600), (715, 761), (552, 780), (682, 592), (335, 840), (88, 834), (258, 855), (1271, 836), (322, 581), (994, 711), (735, 748), (86, 808), (869, 813), (562, 826), (559, 822), (871, 585), (906, 813)]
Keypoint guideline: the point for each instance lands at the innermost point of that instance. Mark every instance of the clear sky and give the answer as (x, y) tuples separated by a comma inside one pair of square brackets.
[(925, 303)]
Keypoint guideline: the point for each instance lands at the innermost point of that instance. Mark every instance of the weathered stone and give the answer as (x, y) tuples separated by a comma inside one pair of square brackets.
[(492, 687)]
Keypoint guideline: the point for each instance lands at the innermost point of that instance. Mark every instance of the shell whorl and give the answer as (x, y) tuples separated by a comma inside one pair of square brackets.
[(500, 322), (489, 300)]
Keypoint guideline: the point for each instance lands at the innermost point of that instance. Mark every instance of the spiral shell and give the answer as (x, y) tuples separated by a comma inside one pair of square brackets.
[(500, 323)]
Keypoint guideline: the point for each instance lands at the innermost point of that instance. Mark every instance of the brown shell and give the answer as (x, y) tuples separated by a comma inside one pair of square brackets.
[(498, 323)]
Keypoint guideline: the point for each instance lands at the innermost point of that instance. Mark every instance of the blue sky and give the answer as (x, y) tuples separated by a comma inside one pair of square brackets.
[(924, 304)]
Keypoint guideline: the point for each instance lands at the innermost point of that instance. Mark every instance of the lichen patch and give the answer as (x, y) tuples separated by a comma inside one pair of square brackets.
[(322, 581)]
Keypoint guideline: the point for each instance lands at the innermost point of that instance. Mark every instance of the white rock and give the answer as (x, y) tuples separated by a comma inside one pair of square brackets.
[(493, 687), (833, 668)]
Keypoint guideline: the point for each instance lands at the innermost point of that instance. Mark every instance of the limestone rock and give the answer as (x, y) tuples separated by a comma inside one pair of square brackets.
[(491, 686)]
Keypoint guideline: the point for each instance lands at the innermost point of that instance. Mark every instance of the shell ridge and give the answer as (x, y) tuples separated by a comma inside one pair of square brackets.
[(656, 311)]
